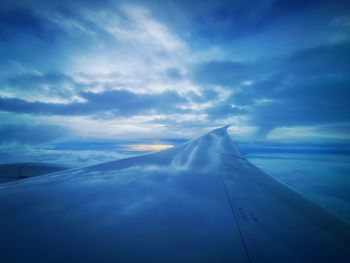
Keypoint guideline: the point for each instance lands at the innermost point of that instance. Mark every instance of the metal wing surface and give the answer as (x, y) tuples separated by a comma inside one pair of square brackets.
[(199, 202)]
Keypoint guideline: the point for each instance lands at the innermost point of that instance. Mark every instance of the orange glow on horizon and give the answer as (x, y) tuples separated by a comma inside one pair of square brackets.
[(149, 147)]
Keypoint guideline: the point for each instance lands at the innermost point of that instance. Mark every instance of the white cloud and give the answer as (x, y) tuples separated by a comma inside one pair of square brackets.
[(317, 133), (242, 132), (70, 25), (137, 55), (143, 28), (247, 82)]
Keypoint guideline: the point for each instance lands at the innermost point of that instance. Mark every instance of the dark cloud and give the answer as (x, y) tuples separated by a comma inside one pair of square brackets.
[(124, 102), (307, 88), (117, 102), (30, 79), (225, 73), (32, 134), (224, 110), (227, 20), (43, 37), (51, 84)]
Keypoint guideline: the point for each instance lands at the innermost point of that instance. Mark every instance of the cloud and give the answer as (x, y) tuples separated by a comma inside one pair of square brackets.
[(172, 63), (226, 73), (309, 87), (224, 110), (225, 20), (32, 134), (116, 102), (30, 39), (305, 134), (49, 87), (20, 153)]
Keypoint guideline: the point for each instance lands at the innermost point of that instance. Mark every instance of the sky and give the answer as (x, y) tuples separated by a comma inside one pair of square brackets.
[(127, 74)]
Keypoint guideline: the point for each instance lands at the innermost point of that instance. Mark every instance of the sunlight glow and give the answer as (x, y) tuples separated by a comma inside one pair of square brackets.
[(148, 147)]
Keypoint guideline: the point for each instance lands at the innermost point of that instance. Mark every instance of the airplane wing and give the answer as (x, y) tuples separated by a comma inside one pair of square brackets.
[(199, 202)]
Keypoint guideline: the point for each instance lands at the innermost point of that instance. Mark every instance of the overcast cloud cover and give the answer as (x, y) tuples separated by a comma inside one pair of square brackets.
[(277, 71)]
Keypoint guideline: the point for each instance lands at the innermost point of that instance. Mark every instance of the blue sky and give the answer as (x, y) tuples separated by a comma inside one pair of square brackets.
[(156, 71)]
